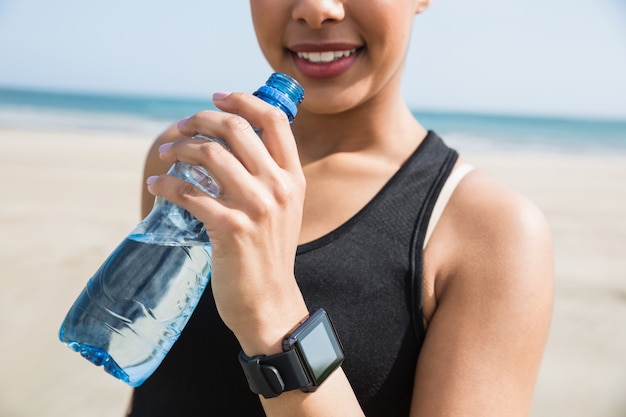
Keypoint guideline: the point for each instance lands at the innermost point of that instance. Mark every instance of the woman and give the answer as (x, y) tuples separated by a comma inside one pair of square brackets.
[(442, 311)]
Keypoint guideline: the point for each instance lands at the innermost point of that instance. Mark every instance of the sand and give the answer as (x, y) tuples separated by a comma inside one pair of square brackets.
[(68, 198)]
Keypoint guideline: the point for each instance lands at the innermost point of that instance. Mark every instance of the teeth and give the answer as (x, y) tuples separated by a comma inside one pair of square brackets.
[(325, 57)]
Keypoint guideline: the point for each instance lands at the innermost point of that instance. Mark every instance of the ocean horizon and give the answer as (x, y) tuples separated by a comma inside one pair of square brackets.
[(33, 109)]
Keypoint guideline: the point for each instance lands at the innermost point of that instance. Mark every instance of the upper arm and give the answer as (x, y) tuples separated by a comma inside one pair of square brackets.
[(493, 287), (153, 165)]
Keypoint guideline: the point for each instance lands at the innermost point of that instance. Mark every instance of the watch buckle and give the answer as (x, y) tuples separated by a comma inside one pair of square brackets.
[(274, 380)]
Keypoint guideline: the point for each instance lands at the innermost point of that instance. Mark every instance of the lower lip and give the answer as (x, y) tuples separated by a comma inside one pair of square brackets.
[(325, 70)]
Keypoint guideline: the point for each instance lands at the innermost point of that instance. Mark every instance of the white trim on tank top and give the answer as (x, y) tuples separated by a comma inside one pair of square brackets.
[(444, 196)]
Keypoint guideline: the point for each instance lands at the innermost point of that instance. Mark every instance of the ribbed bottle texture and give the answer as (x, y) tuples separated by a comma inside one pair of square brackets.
[(136, 305)]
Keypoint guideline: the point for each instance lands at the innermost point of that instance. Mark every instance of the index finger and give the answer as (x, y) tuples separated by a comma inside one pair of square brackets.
[(270, 121)]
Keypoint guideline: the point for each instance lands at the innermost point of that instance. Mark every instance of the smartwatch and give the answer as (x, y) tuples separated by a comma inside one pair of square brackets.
[(310, 354)]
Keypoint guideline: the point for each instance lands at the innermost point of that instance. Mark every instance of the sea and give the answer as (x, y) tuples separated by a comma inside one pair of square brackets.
[(466, 131)]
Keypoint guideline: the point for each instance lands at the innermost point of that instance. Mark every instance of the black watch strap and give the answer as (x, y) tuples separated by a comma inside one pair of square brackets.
[(278, 373)]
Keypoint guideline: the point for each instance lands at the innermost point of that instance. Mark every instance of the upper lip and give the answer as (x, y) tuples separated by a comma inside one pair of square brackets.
[(323, 47)]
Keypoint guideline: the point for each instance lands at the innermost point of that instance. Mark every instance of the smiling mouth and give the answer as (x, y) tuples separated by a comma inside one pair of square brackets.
[(325, 57)]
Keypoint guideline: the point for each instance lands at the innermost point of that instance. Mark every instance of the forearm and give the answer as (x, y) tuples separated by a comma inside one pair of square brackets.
[(333, 398)]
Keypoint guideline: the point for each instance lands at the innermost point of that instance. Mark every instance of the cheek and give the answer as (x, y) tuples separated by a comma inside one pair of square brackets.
[(268, 37), (268, 18), (389, 25), (262, 17)]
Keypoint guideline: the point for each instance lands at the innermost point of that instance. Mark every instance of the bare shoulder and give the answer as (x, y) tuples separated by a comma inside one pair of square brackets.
[(490, 231), (171, 134), (153, 165), (488, 302)]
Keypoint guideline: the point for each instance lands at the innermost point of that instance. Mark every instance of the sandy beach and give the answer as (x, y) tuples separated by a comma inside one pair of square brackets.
[(68, 198)]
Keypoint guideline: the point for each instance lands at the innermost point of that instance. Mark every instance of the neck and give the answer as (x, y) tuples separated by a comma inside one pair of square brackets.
[(384, 126)]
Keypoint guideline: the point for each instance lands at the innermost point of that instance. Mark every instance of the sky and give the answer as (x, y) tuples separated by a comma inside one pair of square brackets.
[(530, 57)]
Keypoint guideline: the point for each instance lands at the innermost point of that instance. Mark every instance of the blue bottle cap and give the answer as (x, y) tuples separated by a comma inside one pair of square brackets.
[(283, 90)]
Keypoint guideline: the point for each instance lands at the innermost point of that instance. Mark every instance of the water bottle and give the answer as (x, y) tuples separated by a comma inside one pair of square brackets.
[(136, 305)]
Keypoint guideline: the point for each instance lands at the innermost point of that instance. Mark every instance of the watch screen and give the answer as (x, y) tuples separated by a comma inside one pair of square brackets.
[(319, 350)]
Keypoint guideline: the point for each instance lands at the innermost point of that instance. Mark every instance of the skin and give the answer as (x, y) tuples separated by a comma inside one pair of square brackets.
[(488, 273)]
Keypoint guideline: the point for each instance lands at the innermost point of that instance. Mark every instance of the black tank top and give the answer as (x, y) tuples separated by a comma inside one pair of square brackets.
[(367, 274)]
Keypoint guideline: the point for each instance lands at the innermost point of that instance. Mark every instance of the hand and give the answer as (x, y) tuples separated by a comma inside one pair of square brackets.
[(254, 225)]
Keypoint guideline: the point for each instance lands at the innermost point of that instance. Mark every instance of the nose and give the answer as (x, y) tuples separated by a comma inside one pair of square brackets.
[(317, 12)]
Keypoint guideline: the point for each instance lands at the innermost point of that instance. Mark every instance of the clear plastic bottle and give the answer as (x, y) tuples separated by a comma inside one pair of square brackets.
[(136, 305)]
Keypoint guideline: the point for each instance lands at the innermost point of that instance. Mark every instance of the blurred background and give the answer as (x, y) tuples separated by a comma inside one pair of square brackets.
[(509, 56), (512, 84)]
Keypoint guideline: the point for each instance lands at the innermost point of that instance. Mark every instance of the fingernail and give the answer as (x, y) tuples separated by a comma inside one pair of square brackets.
[(150, 180), (165, 147), (220, 95), (182, 122)]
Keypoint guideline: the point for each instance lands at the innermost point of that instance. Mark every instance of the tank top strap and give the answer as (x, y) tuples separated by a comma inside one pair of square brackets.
[(442, 160), (444, 196)]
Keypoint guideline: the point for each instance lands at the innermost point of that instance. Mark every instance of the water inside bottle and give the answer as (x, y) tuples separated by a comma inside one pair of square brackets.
[(132, 311)]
